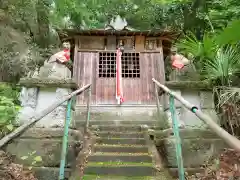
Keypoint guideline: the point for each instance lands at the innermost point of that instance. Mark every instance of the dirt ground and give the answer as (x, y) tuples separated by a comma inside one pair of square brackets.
[(11, 171), (227, 168)]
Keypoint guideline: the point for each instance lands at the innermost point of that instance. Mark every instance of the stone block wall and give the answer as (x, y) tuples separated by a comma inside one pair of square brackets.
[(198, 147), (199, 144), (125, 113), (46, 143), (38, 94), (200, 96)]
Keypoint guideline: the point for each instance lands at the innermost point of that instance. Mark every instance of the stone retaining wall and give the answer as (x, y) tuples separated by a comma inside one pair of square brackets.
[(198, 147), (197, 93), (47, 143)]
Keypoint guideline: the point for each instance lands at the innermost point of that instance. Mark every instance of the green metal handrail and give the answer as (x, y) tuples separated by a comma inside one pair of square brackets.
[(38, 116), (176, 132), (66, 129), (65, 140), (177, 138), (228, 138), (232, 141)]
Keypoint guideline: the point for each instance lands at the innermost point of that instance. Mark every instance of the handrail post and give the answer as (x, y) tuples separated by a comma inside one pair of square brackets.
[(157, 99), (65, 140), (177, 139), (88, 108)]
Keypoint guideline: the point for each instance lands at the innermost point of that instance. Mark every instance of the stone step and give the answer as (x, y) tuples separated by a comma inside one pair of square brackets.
[(120, 128), (120, 157), (119, 113), (97, 177), (49, 173), (119, 134), (133, 141), (80, 123), (128, 169), (121, 148)]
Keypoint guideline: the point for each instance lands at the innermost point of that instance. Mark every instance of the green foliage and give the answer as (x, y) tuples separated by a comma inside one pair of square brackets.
[(199, 51), (229, 35), (8, 107), (28, 35), (33, 158), (215, 56), (223, 66)]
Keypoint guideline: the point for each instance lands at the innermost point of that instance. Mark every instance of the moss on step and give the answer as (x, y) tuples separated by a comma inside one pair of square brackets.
[(120, 145), (120, 154), (118, 164), (115, 138), (48, 82), (120, 133), (96, 177), (201, 85)]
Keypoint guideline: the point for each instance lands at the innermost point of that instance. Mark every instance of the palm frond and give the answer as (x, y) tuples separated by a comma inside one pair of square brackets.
[(209, 47), (200, 50), (190, 45), (223, 66)]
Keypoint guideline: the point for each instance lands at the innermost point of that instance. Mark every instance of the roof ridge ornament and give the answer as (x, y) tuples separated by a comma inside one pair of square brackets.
[(117, 23)]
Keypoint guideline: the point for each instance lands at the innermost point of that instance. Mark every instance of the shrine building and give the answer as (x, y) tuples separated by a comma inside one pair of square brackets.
[(95, 57)]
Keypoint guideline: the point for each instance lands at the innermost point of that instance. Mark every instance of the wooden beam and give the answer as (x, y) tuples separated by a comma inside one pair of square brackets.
[(139, 43), (166, 38)]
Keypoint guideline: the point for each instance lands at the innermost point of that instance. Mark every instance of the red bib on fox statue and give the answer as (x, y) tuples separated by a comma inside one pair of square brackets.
[(61, 56), (64, 55), (56, 67), (178, 61), (182, 68)]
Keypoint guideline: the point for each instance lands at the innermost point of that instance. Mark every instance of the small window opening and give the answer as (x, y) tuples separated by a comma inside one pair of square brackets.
[(107, 65), (130, 65)]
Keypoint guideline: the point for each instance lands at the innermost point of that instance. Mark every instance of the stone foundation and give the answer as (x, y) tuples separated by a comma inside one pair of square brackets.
[(38, 94), (198, 147), (47, 143), (123, 113), (198, 94)]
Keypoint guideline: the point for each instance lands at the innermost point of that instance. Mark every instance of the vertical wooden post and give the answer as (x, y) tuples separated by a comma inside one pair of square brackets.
[(139, 43), (157, 99), (88, 108)]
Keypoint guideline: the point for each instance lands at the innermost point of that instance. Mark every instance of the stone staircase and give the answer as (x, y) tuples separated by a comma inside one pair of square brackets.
[(120, 152)]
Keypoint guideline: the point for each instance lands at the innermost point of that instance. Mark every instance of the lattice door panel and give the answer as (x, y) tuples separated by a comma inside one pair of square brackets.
[(107, 65), (130, 65)]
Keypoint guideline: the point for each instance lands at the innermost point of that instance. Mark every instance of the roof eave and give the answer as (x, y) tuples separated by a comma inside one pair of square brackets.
[(65, 34)]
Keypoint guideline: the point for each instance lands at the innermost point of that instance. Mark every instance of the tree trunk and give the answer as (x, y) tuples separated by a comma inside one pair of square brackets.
[(43, 8)]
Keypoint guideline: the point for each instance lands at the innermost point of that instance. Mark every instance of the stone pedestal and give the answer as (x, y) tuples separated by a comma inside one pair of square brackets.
[(38, 94), (197, 93), (199, 144), (46, 143), (198, 147)]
